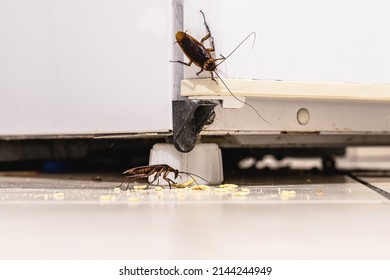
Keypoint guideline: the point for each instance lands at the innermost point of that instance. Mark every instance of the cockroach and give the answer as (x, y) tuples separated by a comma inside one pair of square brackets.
[(201, 56), (143, 172)]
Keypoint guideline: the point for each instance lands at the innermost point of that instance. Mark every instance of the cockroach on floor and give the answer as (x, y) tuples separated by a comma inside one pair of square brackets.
[(143, 172), (201, 56)]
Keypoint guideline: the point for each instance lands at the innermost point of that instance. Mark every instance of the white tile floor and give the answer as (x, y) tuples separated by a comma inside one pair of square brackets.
[(75, 219)]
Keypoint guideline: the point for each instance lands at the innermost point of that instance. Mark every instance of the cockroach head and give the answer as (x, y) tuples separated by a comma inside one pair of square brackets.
[(180, 35), (209, 64)]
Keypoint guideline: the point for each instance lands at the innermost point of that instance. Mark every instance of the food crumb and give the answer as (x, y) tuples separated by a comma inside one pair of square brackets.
[(59, 196), (221, 190), (140, 187), (158, 188), (200, 188), (185, 184), (229, 186), (240, 193), (285, 194)]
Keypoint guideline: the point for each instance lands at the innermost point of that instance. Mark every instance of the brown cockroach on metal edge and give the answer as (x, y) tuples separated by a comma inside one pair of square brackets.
[(143, 172), (201, 56)]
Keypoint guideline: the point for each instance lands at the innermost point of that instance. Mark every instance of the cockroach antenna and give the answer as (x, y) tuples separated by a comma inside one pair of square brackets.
[(224, 59), (242, 42), (246, 103), (192, 177)]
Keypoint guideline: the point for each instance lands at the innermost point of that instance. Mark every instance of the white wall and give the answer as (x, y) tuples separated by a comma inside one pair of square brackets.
[(300, 40), (82, 66)]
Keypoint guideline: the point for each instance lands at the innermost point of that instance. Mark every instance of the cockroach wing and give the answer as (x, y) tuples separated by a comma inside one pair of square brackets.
[(193, 49)]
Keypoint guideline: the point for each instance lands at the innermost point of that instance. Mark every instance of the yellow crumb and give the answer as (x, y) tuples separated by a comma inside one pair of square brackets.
[(59, 196), (140, 187), (185, 184), (284, 194), (240, 193), (178, 185), (200, 188), (229, 186), (220, 190), (158, 188), (246, 190), (189, 182)]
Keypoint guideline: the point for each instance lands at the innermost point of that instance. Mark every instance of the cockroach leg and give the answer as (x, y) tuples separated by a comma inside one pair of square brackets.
[(181, 62), (205, 23), (126, 187), (212, 77), (121, 185), (156, 170), (167, 179), (212, 49), (154, 179), (208, 36)]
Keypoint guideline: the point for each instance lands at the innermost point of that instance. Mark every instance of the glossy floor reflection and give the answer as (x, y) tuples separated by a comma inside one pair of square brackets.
[(83, 219)]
